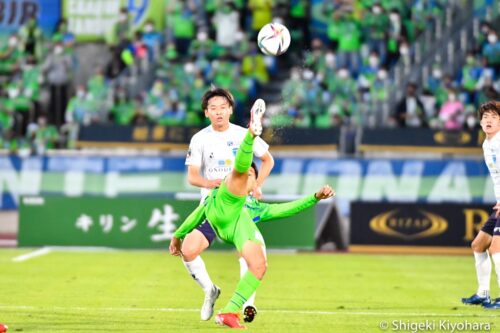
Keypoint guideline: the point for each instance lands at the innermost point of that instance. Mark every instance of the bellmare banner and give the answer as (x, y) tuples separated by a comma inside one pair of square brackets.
[(93, 20), (134, 222), (384, 180), (417, 224), (15, 13)]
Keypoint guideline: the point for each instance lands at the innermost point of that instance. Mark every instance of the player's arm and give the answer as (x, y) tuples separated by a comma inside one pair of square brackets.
[(276, 211), (196, 179), (264, 171), (192, 221)]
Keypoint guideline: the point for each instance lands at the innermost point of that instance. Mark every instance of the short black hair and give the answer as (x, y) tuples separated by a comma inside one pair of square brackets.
[(254, 166), (493, 106), (213, 92)]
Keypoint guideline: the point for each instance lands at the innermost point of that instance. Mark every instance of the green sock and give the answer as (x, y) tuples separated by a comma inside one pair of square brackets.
[(244, 155), (245, 288)]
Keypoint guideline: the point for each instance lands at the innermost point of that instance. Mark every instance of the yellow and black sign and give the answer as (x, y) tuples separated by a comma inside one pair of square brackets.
[(416, 224)]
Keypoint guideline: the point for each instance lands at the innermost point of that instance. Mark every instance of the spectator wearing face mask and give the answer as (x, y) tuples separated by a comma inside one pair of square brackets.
[(10, 56), (451, 113), (395, 33), (203, 47), (121, 29), (58, 72), (469, 77), (491, 51), (375, 25), (152, 39), (369, 71), (181, 21), (226, 21)]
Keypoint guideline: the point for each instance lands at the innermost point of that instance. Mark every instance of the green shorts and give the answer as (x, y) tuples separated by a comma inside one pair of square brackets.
[(226, 214)]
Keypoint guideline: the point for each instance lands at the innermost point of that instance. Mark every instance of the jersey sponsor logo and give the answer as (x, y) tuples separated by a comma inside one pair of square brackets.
[(235, 150), (494, 158), (230, 143), (224, 162), (398, 224), (211, 156), (188, 153), (224, 170)]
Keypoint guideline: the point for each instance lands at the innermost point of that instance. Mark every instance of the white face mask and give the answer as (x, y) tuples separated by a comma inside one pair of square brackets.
[(202, 36), (377, 10), (394, 17), (330, 60), (123, 17), (452, 97), (80, 94), (404, 50), (189, 67), (295, 75), (12, 42), (373, 61), (471, 121), (492, 38), (239, 35), (382, 75), (343, 73), (437, 73), (308, 75), (58, 50), (148, 28)]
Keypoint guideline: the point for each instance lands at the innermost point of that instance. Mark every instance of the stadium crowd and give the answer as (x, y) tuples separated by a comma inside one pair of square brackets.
[(337, 79)]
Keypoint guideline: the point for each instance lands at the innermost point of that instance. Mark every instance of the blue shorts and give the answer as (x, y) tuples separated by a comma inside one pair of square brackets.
[(492, 226), (206, 229)]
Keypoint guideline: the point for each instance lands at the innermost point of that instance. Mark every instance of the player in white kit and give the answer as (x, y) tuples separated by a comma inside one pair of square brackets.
[(488, 239), (209, 159)]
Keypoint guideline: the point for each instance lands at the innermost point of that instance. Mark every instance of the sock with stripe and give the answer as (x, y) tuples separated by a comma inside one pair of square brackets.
[(245, 288)]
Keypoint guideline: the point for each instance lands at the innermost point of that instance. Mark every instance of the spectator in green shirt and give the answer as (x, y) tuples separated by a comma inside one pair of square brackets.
[(349, 44)]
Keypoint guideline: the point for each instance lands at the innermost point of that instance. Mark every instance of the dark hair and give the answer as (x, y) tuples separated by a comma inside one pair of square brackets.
[(213, 92), (493, 106), (254, 166)]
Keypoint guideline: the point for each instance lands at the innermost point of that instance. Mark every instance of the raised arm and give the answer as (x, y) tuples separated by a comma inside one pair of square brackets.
[(266, 212)]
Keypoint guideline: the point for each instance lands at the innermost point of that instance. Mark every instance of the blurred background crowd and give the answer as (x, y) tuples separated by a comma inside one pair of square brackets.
[(372, 65)]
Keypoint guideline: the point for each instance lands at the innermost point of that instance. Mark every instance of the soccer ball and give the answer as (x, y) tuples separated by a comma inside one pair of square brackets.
[(273, 39)]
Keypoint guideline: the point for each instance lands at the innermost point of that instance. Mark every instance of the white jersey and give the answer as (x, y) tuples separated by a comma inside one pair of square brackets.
[(214, 151), (491, 149)]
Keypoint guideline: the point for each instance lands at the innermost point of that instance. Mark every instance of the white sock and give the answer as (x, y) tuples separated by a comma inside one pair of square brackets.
[(483, 272), (199, 273), (496, 261), (243, 270)]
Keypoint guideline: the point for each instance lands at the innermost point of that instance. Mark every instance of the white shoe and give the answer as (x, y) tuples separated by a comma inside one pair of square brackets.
[(207, 310), (258, 109)]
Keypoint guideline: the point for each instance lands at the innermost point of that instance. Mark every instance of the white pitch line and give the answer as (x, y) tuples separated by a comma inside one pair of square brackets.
[(305, 312), (31, 255)]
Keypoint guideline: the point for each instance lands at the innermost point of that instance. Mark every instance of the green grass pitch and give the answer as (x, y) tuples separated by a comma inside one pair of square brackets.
[(148, 291)]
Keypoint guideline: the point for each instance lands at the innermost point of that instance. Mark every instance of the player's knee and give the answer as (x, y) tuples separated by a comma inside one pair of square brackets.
[(258, 268), (190, 251), (478, 246)]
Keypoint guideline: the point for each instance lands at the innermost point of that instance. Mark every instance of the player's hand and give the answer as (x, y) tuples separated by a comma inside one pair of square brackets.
[(214, 183), (325, 192), (257, 193), (497, 208), (175, 247)]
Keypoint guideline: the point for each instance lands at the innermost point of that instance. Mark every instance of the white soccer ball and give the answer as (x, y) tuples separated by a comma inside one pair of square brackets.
[(273, 39)]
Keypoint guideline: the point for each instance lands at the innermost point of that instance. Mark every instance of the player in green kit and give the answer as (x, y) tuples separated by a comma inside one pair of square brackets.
[(224, 208)]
